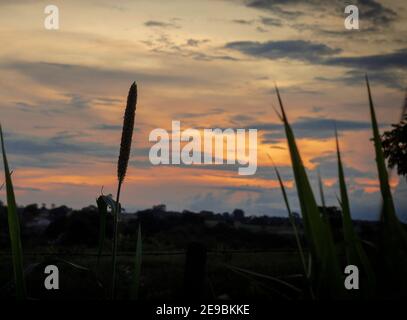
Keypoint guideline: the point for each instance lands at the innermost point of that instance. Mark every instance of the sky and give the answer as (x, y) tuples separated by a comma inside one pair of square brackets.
[(207, 64)]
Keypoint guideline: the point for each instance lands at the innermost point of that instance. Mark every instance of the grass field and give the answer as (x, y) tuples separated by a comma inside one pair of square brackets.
[(163, 275)]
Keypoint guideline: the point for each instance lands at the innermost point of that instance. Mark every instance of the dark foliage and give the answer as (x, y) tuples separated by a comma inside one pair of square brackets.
[(394, 144), (164, 230)]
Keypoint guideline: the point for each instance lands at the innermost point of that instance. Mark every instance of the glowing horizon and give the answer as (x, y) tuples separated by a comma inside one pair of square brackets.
[(209, 64)]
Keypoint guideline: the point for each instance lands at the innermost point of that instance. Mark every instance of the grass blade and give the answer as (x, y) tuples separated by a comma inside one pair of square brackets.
[(122, 163), (389, 216), (14, 229), (307, 273), (137, 269), (389, 212), (354, 251), (394, 236), (322, 247), (292, 221)]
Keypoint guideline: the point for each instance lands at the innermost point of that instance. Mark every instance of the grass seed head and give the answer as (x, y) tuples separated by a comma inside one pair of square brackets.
[(127, 133)]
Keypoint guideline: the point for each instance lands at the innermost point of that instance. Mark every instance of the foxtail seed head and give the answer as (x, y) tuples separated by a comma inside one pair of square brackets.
[(127, 133)]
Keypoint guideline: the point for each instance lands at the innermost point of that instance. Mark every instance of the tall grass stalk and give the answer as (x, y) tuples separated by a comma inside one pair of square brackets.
[(291, 218), (14, 229), (389, 212), (354, 251), (389, 216), (125, 147), (292, 221), (326, 269), (393, 244)]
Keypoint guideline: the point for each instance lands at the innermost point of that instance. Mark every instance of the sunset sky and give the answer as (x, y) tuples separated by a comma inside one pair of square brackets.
[(208, 64)]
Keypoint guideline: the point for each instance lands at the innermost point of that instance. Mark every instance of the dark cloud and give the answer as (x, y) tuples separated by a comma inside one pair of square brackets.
[(21, 188), (327, 164), (391, 79), (72, 106), (241, 189), (62, 149), (196, 42), (24, 106), (238, 119), (107, 100), (260, 29), (193, 115), (375, 14), (243, 21), (62, 143), (200, 56), (297, 90), (327, 124), (289, 49), (387, 69), (309, 127), (70, 77), (276, 6), (160, 24), (397, 59), (271, 21), (165, 45), (77, 101), (108, 127)]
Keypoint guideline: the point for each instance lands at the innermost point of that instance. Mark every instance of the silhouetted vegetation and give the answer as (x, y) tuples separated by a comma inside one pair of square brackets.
[(162, 229), (395, 147)]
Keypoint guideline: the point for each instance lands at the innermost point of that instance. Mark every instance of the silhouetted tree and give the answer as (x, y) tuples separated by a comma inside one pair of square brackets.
[(161, 208), (238, 214), (394, 144), (31, 209)]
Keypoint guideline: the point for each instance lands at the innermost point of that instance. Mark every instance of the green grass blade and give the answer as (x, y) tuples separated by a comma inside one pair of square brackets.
[(292, 221), (14, 229), (307, 272), (312, 221), (394, 237), (137, 269), (388, 205), (389, 216), (320, 240), (354, 251)]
